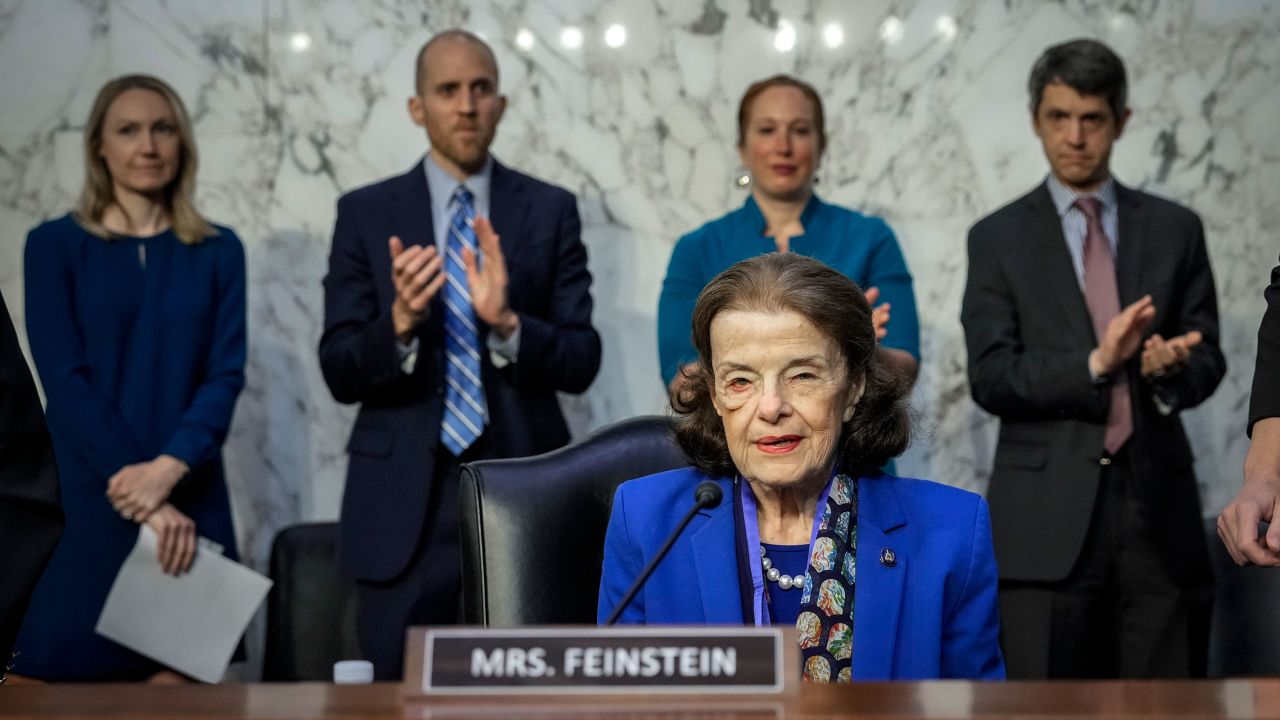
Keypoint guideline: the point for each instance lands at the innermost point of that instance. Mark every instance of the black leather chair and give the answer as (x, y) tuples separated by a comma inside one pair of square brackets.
[(1244, 636), (311, 609), (533, 528)]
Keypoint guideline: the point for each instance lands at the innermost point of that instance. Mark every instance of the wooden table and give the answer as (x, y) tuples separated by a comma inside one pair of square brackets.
[(1128, 699)]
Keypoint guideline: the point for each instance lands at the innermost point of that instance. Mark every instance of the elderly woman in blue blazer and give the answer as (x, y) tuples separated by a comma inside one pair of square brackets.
[(789, 412)]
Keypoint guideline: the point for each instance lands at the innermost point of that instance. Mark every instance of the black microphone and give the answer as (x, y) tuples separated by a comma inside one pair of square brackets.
[(707, 495)]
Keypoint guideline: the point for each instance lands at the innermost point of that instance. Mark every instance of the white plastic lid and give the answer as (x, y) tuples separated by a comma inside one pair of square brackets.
[(352, 672)]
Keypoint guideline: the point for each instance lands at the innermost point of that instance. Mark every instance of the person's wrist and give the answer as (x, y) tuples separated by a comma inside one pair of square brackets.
[(174, 469), (506, 324), (403, 321), (1099, 364)]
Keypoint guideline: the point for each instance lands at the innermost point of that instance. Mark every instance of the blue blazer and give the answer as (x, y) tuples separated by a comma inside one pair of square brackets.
[(396, 435), (933, 615)]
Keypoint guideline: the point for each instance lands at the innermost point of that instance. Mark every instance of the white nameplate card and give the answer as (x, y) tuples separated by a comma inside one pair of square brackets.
[(631, 660)]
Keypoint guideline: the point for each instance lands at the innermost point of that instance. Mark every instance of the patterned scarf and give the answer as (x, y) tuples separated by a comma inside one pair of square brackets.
[(824, 627)]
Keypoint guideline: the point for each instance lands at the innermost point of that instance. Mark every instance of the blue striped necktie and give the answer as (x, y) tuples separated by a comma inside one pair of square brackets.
[(464, 404)]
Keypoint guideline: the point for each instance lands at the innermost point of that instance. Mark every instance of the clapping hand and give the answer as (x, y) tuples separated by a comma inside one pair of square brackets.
[(416, 274), (1122, 337), (879, 314), (1162, 358), (487, 279)]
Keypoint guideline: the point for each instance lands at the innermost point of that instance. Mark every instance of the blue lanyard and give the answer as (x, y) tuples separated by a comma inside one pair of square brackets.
[(751, 527)]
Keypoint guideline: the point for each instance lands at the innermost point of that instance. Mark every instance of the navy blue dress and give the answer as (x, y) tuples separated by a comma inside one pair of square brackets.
[(140, 347)]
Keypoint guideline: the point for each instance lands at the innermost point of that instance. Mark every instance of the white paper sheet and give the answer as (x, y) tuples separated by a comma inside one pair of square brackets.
[(191, 622)]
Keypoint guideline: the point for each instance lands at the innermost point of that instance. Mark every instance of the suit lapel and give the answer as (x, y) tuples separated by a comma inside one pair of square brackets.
[(413, 209), (1132, 228), (413, 221), (508, 207), (714, 550), (879, 588), (1051, 266)]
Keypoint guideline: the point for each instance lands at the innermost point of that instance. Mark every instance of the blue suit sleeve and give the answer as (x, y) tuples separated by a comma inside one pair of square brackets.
[(971, 635), (680, 289), (88, 423), (887, 271), (622, 565), (204, 424)]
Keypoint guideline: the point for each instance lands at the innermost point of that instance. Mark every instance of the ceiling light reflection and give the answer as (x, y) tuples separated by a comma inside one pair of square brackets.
[(785, 39), (571, 38), (833, 34)]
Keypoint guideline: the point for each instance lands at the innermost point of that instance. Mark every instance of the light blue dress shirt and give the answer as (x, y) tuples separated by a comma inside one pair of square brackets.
[(442, 186), (1074, 223)]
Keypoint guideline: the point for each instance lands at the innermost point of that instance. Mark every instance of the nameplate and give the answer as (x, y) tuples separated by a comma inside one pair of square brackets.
[(578, 660)]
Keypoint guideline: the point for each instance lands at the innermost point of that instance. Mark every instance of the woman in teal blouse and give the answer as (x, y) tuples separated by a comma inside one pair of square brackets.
[(781, 136)]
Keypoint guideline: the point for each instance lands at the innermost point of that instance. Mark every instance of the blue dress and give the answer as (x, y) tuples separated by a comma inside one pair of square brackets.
[(140, 347), (861, 247)]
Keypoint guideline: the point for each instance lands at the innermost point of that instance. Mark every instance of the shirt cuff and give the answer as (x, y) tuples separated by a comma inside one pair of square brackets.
[(408, 353), (503, 352), (1096, 379), (1164, 399)]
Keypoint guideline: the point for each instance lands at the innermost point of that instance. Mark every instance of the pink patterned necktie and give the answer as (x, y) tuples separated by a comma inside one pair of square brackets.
[(1103, 298)]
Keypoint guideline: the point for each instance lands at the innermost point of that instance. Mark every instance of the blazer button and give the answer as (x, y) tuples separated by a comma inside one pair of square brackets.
[(1104, 461), (439, 389)]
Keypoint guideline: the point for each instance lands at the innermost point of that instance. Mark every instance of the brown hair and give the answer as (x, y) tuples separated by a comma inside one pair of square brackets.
[(758, 87), (780, 282), (99, 192)]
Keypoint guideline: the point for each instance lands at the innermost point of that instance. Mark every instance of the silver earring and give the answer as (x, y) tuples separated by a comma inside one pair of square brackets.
[(742, 178)]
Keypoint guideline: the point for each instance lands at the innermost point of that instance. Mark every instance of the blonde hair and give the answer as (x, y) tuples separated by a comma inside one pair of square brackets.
[(99, 192)]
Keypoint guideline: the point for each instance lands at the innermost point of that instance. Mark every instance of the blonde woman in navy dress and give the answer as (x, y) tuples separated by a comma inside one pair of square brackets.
[(135, 308)]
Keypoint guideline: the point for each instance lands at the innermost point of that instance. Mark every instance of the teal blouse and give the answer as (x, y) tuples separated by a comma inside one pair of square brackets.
[(860, 246)]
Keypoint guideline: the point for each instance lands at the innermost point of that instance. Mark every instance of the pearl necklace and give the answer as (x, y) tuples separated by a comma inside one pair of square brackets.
[(772, 574)]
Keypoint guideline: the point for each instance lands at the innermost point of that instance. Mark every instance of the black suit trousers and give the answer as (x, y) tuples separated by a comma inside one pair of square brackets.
[(429, 591), (1118, 614)]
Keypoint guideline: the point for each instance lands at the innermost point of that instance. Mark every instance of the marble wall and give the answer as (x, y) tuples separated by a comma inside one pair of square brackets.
[(297, 101)]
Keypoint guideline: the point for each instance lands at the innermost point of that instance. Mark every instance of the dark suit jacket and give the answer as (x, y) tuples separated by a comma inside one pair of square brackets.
[(1265, 400), (1029, 334), (396, 435), (30, 514)]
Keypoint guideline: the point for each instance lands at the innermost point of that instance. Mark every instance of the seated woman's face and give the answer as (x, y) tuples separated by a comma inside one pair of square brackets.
[(782, 390)]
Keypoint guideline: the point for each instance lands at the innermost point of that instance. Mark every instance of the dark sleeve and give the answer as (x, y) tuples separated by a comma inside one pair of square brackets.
[(680, 289), (1007, 378), (1265, 400), (1198, 310), (562, 351), (203, 427), (30, 514), (888, 272), (358, 355), (88, 422)]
